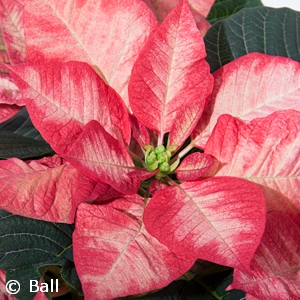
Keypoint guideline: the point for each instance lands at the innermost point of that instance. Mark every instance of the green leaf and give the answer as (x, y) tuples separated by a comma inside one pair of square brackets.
[(15, 145), (211, 287), (63, 270), (261, 29), (22, 125), (69, 274), (171, 292), (26, 244), (19, 138), (209, 284), (225, 8)]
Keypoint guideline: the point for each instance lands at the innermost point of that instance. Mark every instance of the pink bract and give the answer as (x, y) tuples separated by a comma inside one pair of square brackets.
[(110, 41), (123, 100), (274, 144), (275, 263), (123, 251), (252, 86), (199, 9)]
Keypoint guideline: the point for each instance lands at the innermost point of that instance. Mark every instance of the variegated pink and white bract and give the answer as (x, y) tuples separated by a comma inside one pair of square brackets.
[(105, 84), (12, 51)]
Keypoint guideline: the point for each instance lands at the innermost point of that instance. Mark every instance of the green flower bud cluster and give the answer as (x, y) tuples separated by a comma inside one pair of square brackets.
[(159, 158)]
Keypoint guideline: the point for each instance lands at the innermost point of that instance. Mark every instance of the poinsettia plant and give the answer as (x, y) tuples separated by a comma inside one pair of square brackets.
[(149, 144)]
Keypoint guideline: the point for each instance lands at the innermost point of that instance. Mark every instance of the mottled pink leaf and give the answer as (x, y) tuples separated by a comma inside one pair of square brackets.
[(171, 75), (250, 297), (3, 55), (140, 137), (161, 8), (184, 123), (37, 191), (8, 111), (109, 195), (139, 132), (217, 219), (155, 186), (103, 158), (4, 295), (9, 92), (63, 97), (194, 166), (126, 258), (202, 25), (3, 58), (265, 151), (252, 86), (202, 6), (275, 269), (11, 12), (135, 148), (107, 34), (199, 9)]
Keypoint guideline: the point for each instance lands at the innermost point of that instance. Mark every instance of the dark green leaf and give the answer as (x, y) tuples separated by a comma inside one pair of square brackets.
[(19, 138), (22, 125), (26, 244), (171, 292), (261, 29), (208, 284), (69, 274), (68, 254), (211, 287), (66, 273), (225, 8), (15, 145), (212, 270)]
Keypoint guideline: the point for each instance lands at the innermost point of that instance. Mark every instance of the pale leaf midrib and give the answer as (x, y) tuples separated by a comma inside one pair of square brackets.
[(108, 164), (92, 62), (269, 103)]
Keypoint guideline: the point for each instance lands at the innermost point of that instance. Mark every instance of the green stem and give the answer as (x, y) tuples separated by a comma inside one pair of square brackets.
[(212, 292), (170, 181), (160, 139), (99, 72), (65, 249), (136, 158), (142, 192), (146, 197), (183, 152)]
